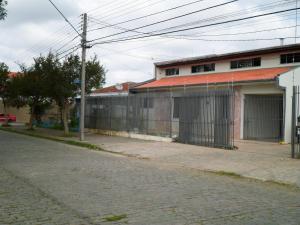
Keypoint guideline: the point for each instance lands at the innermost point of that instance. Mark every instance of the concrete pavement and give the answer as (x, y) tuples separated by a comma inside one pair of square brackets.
[(45, 182), (265, 161), (260, 160)]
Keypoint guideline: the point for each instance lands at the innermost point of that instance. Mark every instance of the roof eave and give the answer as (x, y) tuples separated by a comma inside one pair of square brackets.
[(209, 84)]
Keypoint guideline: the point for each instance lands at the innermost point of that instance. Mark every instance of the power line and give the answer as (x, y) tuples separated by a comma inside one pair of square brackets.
[(152, 14), (70, 53), (166, 20), (66, 44), (241, 33), (187, 37), (64, 17), (69, 49), (101, 6), (229, 15), (192, 28), (133, 8)]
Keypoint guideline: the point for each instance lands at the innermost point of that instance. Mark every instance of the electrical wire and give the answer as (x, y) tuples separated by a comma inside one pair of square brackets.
[(166, 20), (60, 12), (192, 28), (149, 15)]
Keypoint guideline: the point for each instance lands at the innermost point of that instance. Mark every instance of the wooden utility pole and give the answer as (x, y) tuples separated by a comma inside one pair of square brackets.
[(83, 72)]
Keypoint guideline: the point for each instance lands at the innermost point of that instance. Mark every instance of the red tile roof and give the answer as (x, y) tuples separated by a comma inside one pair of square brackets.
[(218, 78), (113, 89), (12, 74)]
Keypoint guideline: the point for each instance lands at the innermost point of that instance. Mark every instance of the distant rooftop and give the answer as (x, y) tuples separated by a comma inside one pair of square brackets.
[(118, 88), (216, 57)]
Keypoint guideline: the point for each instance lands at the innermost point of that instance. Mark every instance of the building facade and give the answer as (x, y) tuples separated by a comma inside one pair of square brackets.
[(262, 81)]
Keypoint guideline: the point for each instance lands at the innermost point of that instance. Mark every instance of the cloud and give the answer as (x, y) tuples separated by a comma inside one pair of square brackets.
[(38, 12), (34, 27)]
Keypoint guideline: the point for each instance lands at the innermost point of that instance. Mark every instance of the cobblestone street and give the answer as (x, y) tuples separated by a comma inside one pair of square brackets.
[(45, 182)]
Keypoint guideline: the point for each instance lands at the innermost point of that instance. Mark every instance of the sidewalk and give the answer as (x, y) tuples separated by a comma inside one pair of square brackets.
[(260, 160)]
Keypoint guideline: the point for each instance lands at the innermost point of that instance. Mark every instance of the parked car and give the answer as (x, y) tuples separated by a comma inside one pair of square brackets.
[(9, 117)]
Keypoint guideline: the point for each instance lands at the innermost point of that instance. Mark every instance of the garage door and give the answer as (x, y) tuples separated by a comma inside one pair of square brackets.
[(263, 117)]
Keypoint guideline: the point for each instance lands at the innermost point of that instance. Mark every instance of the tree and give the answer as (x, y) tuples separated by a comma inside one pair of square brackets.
[(29, 88), (64, 87), (3, 11), (4, 79)]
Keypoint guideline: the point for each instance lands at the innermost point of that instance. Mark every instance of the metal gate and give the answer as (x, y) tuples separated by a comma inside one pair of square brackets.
[(204, 118), (207, 119), (295, 142), (263, 117)]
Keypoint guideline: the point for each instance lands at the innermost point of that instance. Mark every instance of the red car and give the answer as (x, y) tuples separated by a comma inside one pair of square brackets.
[(9, 117)]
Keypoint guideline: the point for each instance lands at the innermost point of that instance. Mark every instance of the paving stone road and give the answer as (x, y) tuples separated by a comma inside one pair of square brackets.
[(44, 182)]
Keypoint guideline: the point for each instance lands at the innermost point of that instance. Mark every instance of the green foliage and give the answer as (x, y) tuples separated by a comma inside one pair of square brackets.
[(63, 86), (4, 79), (115, 218), (29, 89), (3, 11), (95, 74), (61, 79), (49, 80)]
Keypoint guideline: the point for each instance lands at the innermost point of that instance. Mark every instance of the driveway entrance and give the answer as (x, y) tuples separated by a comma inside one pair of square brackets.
[(263, 117)]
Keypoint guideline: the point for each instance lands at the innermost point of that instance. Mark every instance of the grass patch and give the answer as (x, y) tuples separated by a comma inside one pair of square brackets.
[(53, 138), (281, 184), (61, 140), (230, 174), (114, 218), (69, 135), (271, 182)]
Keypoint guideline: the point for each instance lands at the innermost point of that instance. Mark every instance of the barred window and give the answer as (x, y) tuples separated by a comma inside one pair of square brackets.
[(172, 71), (290, 58), (244, 63), (203, 68)]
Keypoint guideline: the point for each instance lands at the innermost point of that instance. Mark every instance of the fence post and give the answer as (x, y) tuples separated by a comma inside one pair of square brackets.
[(171, 110), (127, 113), (148, 105), (293, 121)]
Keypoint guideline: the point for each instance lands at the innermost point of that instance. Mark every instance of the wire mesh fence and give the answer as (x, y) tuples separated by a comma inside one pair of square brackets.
[(203, 118)]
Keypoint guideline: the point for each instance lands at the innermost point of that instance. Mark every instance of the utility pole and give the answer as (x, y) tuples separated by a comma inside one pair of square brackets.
[(83, 72), (296, 27)]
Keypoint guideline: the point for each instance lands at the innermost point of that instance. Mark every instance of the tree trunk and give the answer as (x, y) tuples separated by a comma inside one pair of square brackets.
[(30, 124), (65, 119), (5, 113)]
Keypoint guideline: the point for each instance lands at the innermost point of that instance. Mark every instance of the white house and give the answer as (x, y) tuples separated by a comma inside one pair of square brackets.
[(262, 80)]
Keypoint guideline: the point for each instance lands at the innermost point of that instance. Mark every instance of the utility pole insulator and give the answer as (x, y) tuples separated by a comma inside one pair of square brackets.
[(83, 73)]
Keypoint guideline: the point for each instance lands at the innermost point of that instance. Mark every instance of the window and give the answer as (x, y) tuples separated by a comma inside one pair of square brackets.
[(243, 63), (290, 58), (172, 71), (176, 105), (203, 68)]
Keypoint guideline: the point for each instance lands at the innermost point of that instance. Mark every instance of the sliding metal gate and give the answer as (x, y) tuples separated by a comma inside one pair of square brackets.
[(263, 117), (207, 119)]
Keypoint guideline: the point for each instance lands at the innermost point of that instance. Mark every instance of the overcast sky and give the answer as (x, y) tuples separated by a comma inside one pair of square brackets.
[(34, 27)]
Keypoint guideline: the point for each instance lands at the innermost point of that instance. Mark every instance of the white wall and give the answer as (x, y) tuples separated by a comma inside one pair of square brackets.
[(287, 81), (267, 61)]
